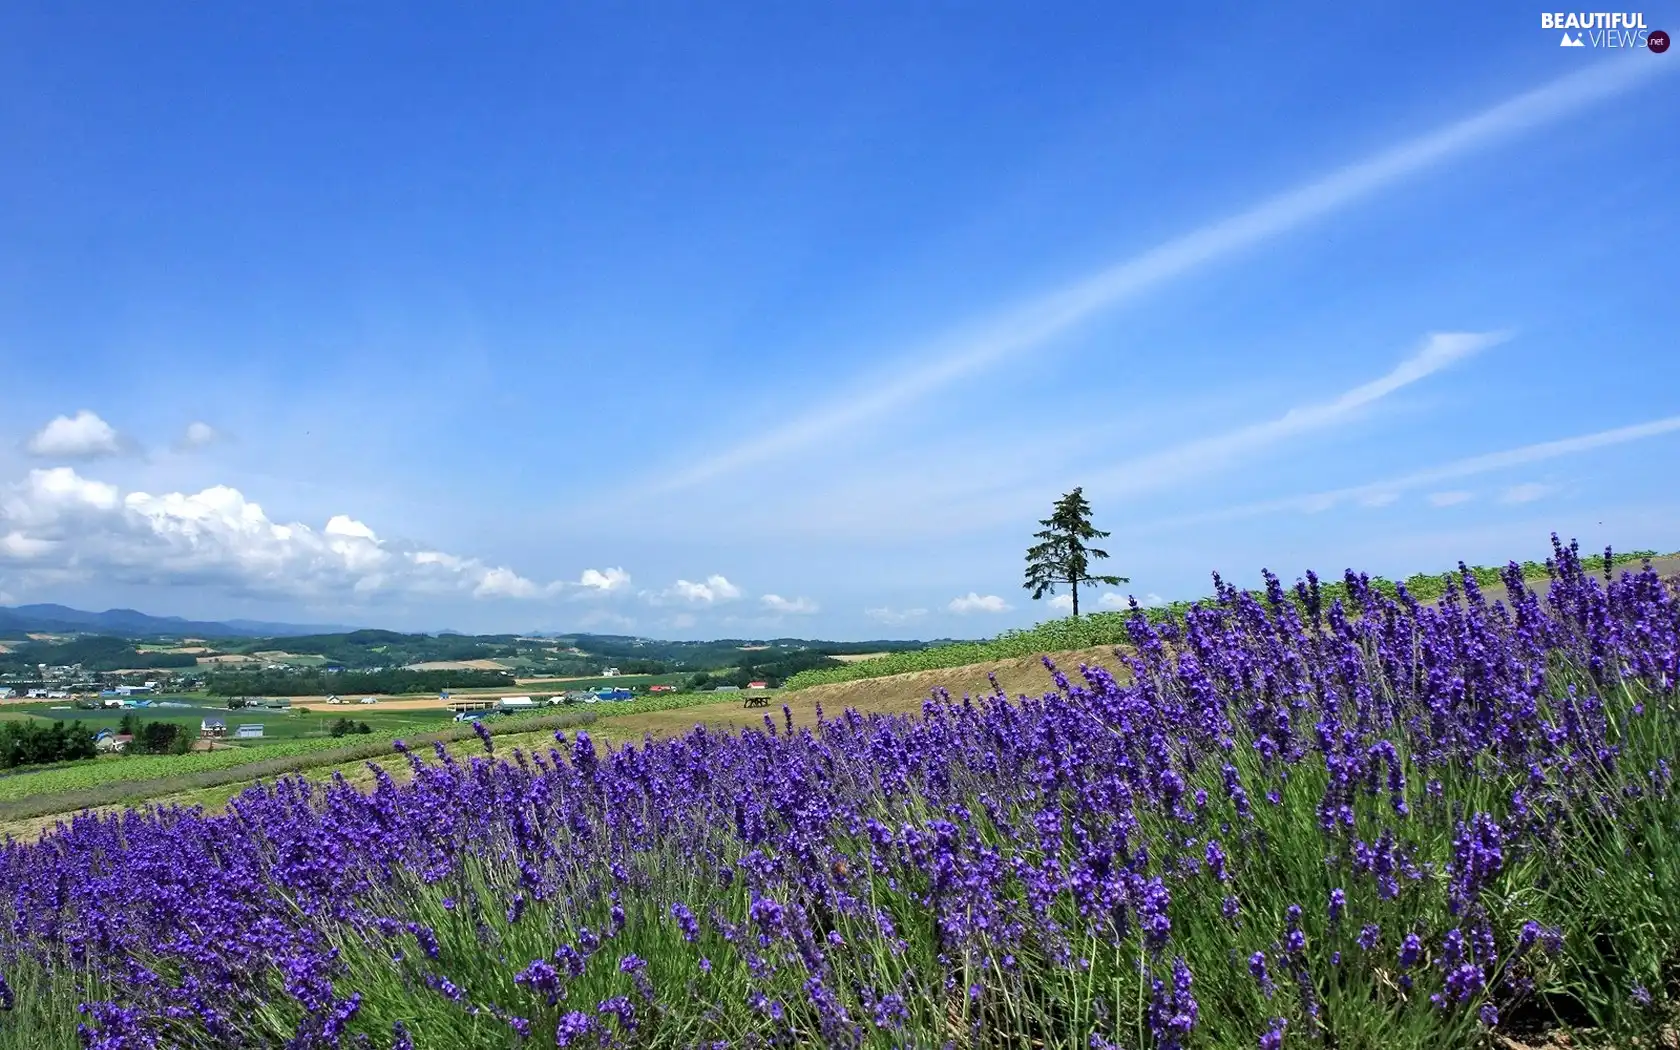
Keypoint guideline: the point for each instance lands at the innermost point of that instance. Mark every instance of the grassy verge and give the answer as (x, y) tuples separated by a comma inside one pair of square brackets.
[(139, 779), (210, 778), (1109, 628)]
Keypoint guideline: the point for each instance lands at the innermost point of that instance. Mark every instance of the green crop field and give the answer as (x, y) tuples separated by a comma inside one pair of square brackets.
[(76, 776), (277, 724), (210, 778)]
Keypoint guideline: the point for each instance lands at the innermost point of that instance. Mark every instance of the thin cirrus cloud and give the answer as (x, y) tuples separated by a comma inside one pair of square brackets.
[(1030, 326), (1458, 469), (58, 524), (1527, 492), (1173, 465), (973, 602), (978, 502), (1449, 499), (82, 436)]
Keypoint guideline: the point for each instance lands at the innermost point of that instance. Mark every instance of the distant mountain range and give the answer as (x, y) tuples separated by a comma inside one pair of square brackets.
[(129, 622)]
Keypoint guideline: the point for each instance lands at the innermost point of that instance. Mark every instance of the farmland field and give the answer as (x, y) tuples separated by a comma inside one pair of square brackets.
[(277, 724), (1414, 827)]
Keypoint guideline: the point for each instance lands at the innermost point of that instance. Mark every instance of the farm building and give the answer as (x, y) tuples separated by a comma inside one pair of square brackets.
[(728, 689), (662, 688), (613, 694), (515, 703), (758, 685), (212, 727), (250, 731), (609, 672)]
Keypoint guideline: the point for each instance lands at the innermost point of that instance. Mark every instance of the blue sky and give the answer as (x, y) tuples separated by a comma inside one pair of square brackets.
[(793, 320)]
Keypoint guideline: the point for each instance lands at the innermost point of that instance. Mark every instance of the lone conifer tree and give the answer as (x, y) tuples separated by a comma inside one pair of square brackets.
[(1061, 556)]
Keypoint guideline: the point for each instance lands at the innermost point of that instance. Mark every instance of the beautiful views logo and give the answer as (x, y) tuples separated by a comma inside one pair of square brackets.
[(1604, 29)]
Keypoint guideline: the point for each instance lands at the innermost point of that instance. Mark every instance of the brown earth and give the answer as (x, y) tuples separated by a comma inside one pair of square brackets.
[(900, 694), (459, 665), (855, 658)]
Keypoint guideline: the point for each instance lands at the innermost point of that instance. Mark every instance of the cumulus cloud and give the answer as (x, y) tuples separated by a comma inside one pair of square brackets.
[(715, 589), (58, 521), (894, 616), (972, 602), (797, 606), (1448, 499), (198, 435), (1108, 599), (82, 436), (1527, 492), (604, 580)]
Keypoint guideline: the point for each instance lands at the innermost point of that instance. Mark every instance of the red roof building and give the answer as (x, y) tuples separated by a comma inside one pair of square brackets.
[(758, 685)]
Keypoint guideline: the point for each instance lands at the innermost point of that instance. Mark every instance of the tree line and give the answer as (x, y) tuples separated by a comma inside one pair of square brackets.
[(35, 742), (772, 672)]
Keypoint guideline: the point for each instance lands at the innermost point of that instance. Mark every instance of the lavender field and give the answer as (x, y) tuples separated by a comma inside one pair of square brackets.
[(1384, 824)]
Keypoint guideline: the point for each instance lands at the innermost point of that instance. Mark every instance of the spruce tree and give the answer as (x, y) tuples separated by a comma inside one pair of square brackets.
[(1061, 555)]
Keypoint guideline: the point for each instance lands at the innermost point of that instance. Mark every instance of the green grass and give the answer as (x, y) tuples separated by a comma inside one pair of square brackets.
[(624, 680), (210, 778), (132, 780), (283, 725), (1109, 628)]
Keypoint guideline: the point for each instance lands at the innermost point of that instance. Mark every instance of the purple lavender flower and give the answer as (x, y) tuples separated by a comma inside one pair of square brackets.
[(573, 1027)]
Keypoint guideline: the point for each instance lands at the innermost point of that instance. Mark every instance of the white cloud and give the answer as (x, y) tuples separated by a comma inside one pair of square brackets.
[(797, 606), (1527, 492), (57, 520), (1174, 465), (198, 435), (715, 589), (20, 547), (505, 583), (1463, 468), (995, 497), (1376, 499), (1036, 323), (604, 580), (1448, 499), (1061, 601), (894, 616), (972, 602), (82, 436)]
